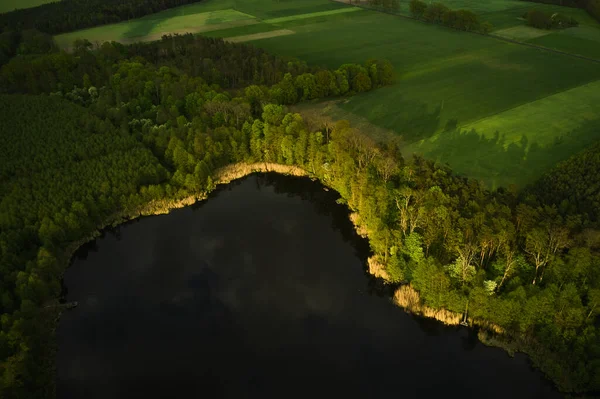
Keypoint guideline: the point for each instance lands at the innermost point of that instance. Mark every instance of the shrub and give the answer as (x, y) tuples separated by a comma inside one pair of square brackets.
[(435, 13), (417, 8), (542, 20), (485, 28), (538, 19)]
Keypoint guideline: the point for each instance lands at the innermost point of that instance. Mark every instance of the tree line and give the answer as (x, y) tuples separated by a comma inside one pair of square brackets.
[(71, 15), (439, 13), (229, 65)]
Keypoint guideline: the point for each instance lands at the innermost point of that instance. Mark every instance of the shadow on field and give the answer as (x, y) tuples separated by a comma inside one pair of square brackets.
[(414, 120), (498, 163), (140, 27)]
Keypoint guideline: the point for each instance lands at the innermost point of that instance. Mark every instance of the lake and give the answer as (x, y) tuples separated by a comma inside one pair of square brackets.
[(261, 291)]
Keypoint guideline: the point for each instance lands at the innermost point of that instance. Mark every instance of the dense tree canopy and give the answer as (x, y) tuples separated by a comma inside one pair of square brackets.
[(98, 136), (543, 20), (574, 186), (439, 13)]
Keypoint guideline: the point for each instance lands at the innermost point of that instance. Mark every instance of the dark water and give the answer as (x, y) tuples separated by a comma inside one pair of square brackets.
[(259, 292)]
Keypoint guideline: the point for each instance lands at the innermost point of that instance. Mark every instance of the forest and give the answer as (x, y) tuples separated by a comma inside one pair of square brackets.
[(111, 132), (100, 135)]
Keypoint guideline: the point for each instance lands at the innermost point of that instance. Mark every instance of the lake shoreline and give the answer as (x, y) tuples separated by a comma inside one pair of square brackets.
[(405, 296)]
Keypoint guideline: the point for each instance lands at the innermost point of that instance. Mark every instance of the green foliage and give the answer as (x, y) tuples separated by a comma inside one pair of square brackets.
[(543, 20), (112, 136), (573, 186), (413, 247), (439, 13), (417, 8)]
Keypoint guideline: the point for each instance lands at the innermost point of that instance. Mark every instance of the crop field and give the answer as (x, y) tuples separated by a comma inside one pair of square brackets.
[(582, 40), (501, 112), (526, 140), (204, 17), (11, 5), (152, 27)]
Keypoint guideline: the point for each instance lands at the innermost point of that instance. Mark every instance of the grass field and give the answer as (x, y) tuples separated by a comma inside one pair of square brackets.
[(522, 33), (152, 27), (583, 40), (568, 109), (446, 75), (11, 5), (204, 17), (542, 104), (554, 126)]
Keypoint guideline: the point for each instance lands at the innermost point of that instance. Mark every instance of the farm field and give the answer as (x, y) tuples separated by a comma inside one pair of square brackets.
[(447, 76), (582, 40), (11, 5), (526, 140), (152, 27), (506, 16), (204, 17), (447, 81)]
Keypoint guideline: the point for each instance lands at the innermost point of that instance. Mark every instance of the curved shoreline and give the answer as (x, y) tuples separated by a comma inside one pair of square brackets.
[(405, 296)]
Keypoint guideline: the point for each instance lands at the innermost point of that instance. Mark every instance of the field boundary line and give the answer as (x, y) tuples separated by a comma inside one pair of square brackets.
[(528, 102), (503, 39)]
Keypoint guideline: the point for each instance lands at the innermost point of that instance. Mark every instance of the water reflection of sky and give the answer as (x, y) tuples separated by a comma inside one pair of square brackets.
[(256, 293)]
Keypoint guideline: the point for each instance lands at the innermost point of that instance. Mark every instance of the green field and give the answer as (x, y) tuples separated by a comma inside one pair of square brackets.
[(542, 104), (583, 40), (446, 75), (525, 140), (193, 18), (204, 17), (11, 5)]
